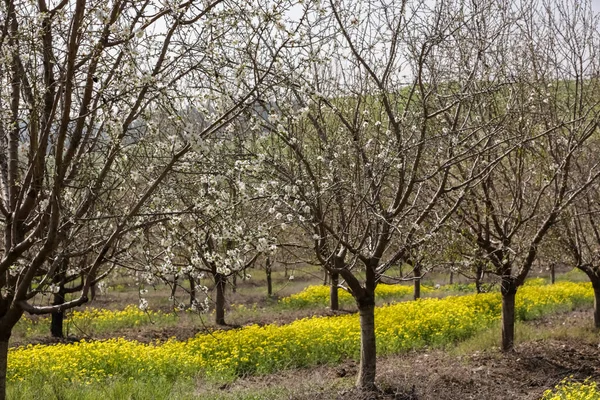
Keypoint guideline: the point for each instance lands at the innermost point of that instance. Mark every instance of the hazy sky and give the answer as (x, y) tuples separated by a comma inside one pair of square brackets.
[(596, 5)]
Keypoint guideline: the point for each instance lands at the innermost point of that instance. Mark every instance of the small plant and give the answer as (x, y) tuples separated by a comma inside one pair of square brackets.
[(569, 389)]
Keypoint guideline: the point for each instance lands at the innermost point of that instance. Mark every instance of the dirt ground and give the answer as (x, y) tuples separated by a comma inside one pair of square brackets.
[(524, 374)]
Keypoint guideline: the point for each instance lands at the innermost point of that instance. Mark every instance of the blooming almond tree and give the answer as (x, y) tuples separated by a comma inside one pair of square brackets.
[(79, 83), (366, 147), (553, 107), (217, 228), (578, 237)]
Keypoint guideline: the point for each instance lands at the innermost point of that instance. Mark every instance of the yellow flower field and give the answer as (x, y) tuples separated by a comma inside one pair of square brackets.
[(319, 295), (99, 320), (570, 390), (262, 349)]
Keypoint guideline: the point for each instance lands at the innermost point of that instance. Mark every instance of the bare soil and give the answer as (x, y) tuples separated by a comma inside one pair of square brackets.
[(523, 374)]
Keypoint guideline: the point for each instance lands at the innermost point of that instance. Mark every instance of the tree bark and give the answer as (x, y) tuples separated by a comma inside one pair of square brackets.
[(334, 302), (3, 366), (417, 282), (93, 291), (594, 276), (479, 274), (234, 282), (220, 281), (552, 273), (5, 333), (368, 351), (57, 319), (269, 282), (597, 305), (509, 291), (174, 288), (451, 277), (595, 279), (192, 289)]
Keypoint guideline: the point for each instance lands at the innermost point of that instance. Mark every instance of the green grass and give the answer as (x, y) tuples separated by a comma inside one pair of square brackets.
[(156, 388), (525, 331), (163, 389)]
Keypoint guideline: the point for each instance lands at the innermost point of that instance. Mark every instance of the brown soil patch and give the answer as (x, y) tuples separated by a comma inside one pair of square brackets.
[(523, 374)]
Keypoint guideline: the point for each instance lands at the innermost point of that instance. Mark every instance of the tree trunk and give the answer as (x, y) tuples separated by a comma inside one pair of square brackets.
[(192, 289), (597, 305), (325, 277), (417, 282), (234, 283), (509, 291), (451, 277), (269, 280), (552, 273), (220, 281), (174, 288), (479, 274), (368, 351), (57, 319), (93, 291), (3, 366), (334, 302), (595, 278)]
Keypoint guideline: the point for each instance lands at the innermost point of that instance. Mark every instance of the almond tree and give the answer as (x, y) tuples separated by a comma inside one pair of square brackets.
[(368, 160), (579, 237), (79, 82), (216, 229), (553, 107)]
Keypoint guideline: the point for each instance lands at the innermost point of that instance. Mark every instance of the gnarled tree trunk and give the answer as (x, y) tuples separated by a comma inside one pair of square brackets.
[(57, 319), (8, 320), (595, 279), (368, 351), (597, 305), (93, 291), (417, 282), (479, 275), (220, 282), (268, 269), (192, 289), (334, 302), (3, 366), (509, 292), (174, 287)]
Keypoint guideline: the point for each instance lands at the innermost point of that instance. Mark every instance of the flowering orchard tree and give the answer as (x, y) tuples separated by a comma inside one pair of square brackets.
[(216, 228), (578, 237), (373, 140), (79, 83), (552, 105)]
